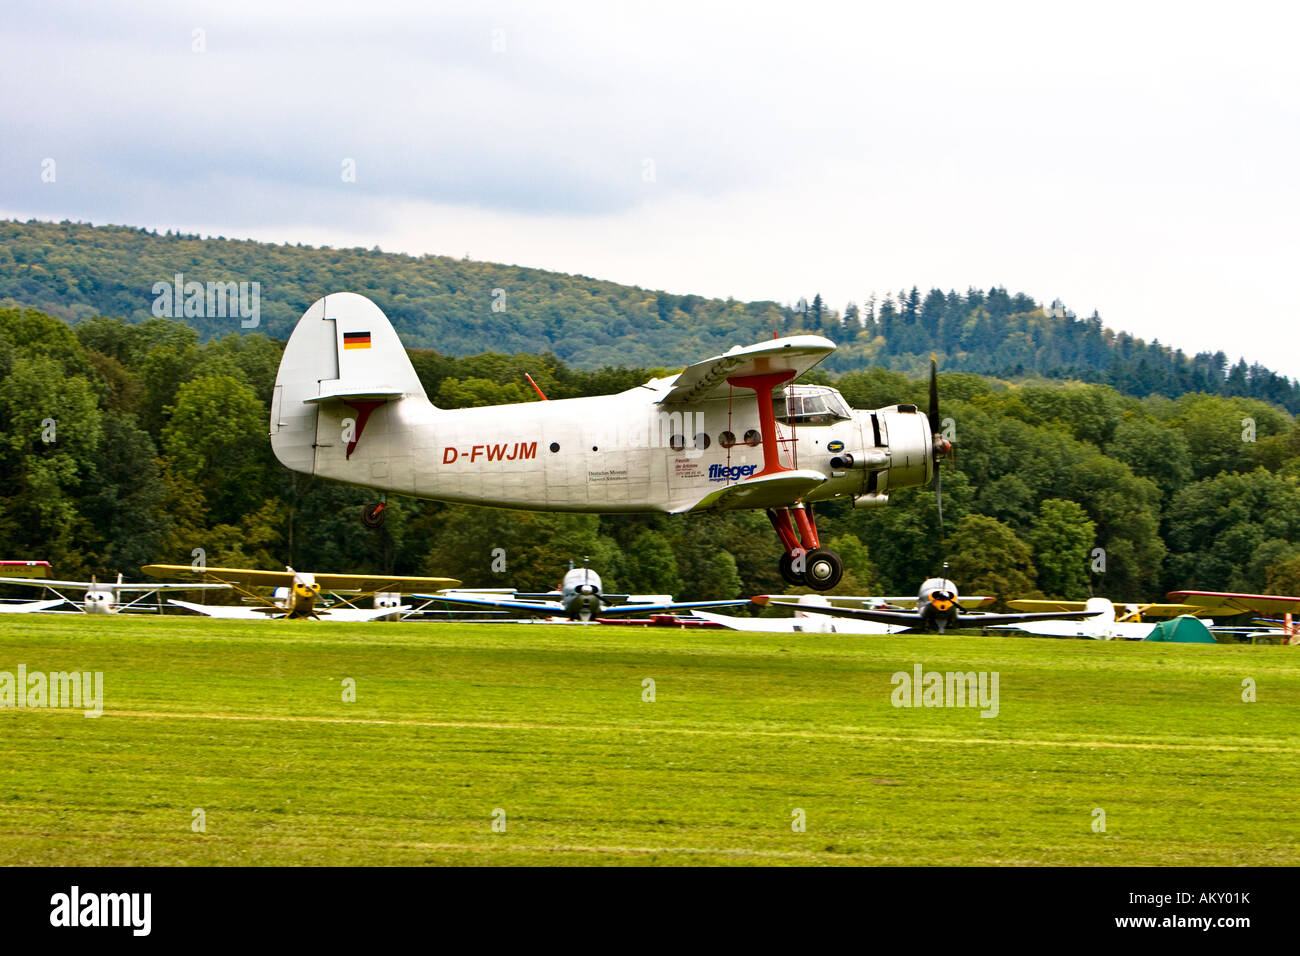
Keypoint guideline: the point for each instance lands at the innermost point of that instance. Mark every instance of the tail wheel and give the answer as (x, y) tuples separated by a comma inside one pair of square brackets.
[(822, 569), (788, 572), (372, 516)]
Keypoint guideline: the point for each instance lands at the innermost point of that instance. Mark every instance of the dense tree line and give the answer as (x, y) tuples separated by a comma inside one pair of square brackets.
[(463, 307), (124, 443)]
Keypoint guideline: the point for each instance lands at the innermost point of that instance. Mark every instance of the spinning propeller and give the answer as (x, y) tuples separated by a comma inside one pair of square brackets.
[(940, 445)]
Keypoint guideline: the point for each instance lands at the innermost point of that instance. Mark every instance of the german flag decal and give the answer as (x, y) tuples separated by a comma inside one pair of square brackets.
[(356, 340)]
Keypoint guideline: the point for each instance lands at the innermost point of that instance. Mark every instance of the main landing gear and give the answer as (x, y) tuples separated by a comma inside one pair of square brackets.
[(805, 561), (372, 516)]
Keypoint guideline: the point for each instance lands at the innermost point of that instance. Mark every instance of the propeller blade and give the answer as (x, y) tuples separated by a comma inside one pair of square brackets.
[(935, 422), (938, 495)]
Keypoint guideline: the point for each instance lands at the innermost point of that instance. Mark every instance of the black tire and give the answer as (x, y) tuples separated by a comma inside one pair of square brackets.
[(372, 516), (788, 572), (823, 569)]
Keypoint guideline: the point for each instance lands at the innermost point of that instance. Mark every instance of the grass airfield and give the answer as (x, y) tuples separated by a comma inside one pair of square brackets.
[(451, 722)]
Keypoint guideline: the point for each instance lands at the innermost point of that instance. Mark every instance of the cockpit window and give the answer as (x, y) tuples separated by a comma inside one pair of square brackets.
[(810, 405)]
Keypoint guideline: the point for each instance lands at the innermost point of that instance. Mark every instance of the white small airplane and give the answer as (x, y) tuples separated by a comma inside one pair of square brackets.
[(295, 593), (580, 597), (96, 598), (729, 432), (937, 608)]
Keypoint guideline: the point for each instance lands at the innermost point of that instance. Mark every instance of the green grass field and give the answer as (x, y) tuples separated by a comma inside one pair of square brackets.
[(247, 722)]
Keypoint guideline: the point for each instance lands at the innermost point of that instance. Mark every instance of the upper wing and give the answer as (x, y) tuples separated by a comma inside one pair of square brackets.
[(776, 490), (105, 585), (669, 606), (1225, 603), (243, 576), (46, 582), (248, 577), (376, 582), (1147, 610), (708, 379)]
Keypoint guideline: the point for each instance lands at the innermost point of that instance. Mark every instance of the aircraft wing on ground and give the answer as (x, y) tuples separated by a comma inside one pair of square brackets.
[(230, 612), (893, 603), (359, 613), (531, 608), (31, 607), (249, 577), (913, 618), (236, 613), (899, 618), (667, 606), (708, 379), (991, 620), (1225, 604), (763, 491)]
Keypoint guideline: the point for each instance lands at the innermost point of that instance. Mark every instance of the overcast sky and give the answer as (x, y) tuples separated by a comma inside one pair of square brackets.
[(1139, 159)]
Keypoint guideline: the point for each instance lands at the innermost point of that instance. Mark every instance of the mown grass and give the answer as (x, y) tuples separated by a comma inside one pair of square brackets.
[(247, 723)]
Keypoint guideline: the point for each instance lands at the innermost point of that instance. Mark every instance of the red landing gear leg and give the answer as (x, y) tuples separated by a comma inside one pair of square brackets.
[(792, 554), (804, 560)]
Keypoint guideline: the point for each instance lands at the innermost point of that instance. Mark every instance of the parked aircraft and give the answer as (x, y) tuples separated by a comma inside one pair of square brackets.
[(96, 598), (296, 593), (729, 432), (937, 609), (1227, 604), (1111, 620), (578, 598)]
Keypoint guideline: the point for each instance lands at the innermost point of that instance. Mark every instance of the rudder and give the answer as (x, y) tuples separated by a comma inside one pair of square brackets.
[(344, 358)]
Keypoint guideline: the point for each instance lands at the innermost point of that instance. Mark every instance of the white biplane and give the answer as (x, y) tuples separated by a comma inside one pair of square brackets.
[(730, 432)]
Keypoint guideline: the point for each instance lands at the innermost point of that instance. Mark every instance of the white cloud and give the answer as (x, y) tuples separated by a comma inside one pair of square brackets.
[(1132, 159)]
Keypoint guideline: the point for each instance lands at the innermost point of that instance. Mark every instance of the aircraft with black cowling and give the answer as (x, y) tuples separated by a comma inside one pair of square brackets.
[(937, 608), (731, 432), (580, 597)]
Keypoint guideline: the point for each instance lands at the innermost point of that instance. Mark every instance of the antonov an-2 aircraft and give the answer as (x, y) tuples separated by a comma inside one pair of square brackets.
[(726, 433)]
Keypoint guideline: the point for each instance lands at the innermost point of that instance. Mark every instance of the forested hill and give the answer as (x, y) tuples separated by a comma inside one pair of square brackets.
[(463, 307)]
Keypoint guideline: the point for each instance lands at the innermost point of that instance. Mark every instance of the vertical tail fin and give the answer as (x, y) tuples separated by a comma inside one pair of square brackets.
[(343, 363)]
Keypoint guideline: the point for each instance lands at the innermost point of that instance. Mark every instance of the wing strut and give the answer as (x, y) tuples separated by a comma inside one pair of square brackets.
[(762, 385)]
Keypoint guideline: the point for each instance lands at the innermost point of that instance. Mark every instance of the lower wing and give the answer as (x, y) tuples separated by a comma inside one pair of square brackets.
[(31, 607), (532, 608), (229, 612), (670, 606)]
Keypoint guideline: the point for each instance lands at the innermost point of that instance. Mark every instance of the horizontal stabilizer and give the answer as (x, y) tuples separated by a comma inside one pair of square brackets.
[(354, 392)]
